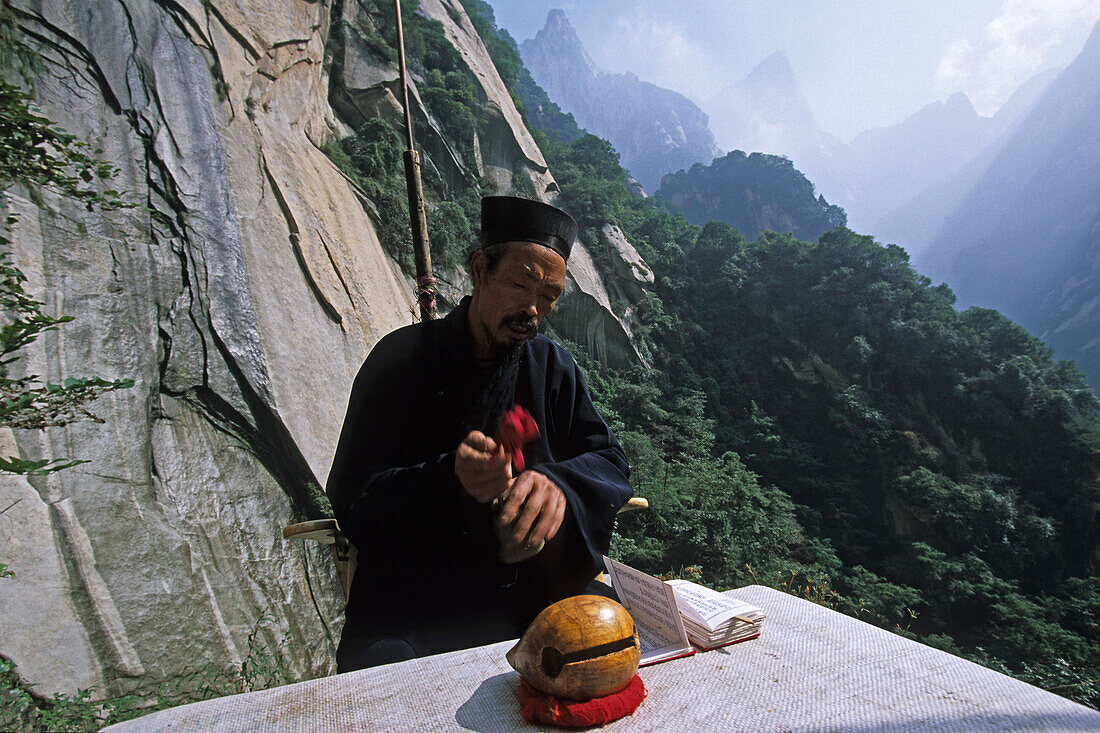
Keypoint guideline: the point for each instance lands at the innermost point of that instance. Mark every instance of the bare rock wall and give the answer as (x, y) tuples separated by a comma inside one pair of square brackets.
[(241, 295)]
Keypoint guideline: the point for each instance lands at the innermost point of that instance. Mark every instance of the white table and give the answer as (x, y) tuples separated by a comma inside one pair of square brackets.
[(812, 669)]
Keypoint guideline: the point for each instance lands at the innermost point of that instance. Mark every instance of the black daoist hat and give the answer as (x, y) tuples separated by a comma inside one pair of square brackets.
[(512, 219)]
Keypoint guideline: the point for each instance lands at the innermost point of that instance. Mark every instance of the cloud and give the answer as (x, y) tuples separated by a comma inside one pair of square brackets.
[(954, 69), (1026, 37), (659, 51)]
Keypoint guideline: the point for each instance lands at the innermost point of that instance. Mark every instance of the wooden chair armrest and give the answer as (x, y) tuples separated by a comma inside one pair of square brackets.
[(633, 503), (327, 532), (324, 531)]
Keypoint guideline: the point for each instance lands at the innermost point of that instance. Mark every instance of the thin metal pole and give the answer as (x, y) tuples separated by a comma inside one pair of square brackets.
[(425, 282)]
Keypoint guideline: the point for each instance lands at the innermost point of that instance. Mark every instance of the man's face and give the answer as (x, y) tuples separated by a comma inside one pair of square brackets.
[(510, 301)]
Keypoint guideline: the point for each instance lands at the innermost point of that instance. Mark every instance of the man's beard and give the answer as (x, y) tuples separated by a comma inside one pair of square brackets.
[(520, 322)]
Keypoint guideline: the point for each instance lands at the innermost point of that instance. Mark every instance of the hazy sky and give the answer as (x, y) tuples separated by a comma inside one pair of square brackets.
[(861, 64)]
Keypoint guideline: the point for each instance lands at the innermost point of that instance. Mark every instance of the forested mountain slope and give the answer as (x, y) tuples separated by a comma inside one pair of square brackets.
[(752, 193), (820, 415)]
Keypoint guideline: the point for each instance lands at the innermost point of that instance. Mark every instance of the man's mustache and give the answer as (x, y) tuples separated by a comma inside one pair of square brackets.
[(522, 322)]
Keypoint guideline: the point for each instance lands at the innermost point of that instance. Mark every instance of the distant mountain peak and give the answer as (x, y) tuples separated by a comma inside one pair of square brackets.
[(957, 110), (774, 78), (766, 111), (556, 20), (559, 38), (1021, 234), (654, 130), (1021, 100), (775, 67), (959, 102)]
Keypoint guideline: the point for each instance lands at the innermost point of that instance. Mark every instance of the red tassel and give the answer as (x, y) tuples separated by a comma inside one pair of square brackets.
[(516, 428), (543, 708)]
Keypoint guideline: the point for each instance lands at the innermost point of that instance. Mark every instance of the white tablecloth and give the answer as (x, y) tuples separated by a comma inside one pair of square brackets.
[(812, 669)]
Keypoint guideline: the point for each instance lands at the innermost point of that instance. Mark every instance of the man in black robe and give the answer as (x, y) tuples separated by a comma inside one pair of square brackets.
[(456, 549)]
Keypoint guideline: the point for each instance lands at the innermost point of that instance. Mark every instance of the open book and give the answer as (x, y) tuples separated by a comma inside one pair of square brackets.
[(671, 616)]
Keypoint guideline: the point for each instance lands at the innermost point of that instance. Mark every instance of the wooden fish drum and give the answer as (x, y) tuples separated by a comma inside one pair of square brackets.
[(578, 648)]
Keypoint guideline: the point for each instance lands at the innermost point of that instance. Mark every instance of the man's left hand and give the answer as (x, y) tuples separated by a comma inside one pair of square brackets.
[(531, 514)]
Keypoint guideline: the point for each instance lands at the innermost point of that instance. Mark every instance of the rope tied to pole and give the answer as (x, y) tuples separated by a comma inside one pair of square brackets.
[(425, 291)]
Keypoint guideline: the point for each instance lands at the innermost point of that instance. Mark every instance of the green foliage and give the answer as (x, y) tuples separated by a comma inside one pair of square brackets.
[(450, 233), (372, 157), (889, 417), (940, 468), (374, 153), (35, 154), (450, 98), (446, 85), (711, 512), (878, 601), (371, 36), (20, 710), (706, 511), (379, 31), (1062, 676), (592, 183), (24, 403), (757, 187)]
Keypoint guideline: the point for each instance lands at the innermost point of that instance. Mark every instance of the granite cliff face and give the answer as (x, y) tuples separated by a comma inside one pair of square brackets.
[(655, 131), (241, 296)]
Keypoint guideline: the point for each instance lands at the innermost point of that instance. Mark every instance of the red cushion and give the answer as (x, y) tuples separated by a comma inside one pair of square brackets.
[(543, 708)]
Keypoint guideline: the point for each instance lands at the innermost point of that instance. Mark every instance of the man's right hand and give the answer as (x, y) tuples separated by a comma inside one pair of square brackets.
[(482, 467)]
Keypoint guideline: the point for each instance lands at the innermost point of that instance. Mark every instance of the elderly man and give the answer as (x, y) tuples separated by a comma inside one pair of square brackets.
[(457, 548)]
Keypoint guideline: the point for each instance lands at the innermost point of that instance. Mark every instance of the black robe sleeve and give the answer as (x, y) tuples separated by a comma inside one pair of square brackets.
[(585, 459), (392, 472)]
